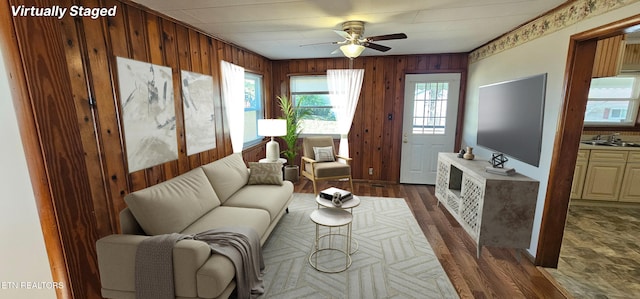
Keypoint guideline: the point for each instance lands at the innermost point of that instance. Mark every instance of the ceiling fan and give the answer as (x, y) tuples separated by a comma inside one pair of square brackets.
[(354, 42)]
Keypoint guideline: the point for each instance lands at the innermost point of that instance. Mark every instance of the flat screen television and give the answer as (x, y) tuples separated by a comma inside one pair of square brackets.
[(510, 116)]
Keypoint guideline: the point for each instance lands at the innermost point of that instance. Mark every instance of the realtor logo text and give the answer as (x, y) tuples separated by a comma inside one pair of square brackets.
[(59, 12)]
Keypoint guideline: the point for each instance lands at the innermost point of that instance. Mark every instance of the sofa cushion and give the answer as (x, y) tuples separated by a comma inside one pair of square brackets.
[(227, 175), (171, 206), (231, 216), (265, 173), (271, 198)]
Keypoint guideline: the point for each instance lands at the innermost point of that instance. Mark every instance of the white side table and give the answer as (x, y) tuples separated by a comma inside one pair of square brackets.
[(331, 217), (347, 205), (281, 160)]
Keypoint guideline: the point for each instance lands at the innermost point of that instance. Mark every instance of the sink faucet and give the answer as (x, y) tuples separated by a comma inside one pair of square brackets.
[(613, 138), (597, 137)]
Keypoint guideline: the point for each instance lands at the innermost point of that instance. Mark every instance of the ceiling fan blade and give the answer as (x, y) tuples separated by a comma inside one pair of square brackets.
[(344, 34), (387, 37), (318, 44), (378, 47), (336, 51)]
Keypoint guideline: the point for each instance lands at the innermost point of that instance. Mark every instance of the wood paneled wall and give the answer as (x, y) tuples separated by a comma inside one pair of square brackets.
[(73, 133), (73, 98), (375, 140)]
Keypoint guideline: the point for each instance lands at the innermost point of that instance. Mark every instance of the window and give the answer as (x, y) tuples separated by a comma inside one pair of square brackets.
[(310, 94), (613, 101), (253, 108)]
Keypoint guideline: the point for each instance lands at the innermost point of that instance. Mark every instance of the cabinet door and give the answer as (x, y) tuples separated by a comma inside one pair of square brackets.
[(472, 194), (603, 180), (579, 174), (630, 191)]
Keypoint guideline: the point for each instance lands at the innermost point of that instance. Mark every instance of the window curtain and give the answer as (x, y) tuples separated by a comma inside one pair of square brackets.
[(233, 99), (344, 91)]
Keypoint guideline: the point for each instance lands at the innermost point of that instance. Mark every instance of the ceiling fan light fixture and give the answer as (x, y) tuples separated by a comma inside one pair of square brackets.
[(352, 50)]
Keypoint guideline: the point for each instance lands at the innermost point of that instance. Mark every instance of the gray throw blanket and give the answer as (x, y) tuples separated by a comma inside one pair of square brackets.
[(154, 261)]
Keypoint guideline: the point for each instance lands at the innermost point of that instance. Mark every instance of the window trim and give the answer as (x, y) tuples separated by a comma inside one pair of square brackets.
[(260, 112)]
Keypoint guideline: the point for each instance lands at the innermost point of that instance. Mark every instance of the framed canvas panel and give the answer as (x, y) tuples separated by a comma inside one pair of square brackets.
[(148, 113)]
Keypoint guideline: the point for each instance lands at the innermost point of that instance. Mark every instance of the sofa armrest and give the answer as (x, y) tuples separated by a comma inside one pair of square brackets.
[(117, 255)]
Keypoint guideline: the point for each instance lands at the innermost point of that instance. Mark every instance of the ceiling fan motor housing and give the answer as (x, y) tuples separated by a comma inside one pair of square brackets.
[(354, 28)]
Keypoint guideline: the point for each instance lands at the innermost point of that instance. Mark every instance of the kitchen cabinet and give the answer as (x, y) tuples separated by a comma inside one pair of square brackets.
[(609, 57), (580, 173), (604, 175), (630, 191)]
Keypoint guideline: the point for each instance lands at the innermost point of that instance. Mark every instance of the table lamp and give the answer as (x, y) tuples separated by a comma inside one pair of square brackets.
[(272, 128)]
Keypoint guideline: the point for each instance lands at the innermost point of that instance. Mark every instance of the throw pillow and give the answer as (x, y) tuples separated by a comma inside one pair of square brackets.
[(265, 173), (324, 154)]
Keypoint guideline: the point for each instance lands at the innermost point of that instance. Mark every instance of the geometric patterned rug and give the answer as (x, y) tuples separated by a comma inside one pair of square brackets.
[(393, 260)]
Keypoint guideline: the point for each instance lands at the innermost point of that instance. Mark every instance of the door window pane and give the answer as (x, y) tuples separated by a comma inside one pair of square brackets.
[(430, 108)]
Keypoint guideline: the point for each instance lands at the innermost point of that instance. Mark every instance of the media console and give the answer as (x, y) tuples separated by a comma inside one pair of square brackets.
[(495, 210)]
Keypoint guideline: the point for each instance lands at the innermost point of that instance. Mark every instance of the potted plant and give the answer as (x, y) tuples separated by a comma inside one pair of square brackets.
[(293, 115)]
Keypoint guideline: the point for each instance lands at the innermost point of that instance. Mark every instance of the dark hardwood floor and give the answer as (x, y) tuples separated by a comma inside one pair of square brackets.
[(499, 273)]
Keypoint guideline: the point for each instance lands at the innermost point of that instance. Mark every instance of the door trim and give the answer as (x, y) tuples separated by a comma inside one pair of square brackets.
[(578, 70)]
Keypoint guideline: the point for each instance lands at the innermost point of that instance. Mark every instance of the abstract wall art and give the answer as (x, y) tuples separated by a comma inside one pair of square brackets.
[(198, 107), (148, 113)]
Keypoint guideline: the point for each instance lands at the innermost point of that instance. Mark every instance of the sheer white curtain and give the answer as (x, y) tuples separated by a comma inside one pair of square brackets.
[(344, 91), (233, 99)]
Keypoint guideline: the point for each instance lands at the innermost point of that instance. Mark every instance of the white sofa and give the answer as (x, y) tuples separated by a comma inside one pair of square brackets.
[(215, 195)]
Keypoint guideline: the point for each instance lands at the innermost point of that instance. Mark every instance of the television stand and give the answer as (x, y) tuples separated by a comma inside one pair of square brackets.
[(495, 210)]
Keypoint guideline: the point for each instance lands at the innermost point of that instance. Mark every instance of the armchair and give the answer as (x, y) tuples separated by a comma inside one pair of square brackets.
[(319, 161)]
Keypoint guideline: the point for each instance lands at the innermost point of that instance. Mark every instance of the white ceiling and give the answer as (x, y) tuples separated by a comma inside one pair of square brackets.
[(277, 28)]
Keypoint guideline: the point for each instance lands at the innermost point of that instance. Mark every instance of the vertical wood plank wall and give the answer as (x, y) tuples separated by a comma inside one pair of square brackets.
[(70, 68), (73, 99), (374, 140)]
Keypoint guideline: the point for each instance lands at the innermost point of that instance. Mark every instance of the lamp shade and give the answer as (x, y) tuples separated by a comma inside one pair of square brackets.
[(272, 127), (352, 50)]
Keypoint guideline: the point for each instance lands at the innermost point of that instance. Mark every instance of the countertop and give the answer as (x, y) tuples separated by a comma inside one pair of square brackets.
[(608, 148)]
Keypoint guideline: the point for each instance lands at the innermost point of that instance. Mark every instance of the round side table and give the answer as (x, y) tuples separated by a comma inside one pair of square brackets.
[(281, 160), (347, 205), (331, 217)]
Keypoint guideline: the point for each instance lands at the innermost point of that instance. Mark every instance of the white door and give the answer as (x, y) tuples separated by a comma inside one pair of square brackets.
[(429, 126)]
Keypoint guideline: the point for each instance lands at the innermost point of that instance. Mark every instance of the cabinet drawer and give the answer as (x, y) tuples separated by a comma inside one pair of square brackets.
[(634, 157), (583, 155), (608, 156)]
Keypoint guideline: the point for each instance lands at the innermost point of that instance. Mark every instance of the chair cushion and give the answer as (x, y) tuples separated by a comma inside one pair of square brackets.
[(227, 175), (170, 206), (254, 197), (265, 173), (324, 153), (330, 169)]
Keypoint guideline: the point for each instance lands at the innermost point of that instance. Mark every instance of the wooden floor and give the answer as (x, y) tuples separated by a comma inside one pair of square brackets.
[(497, 274)]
